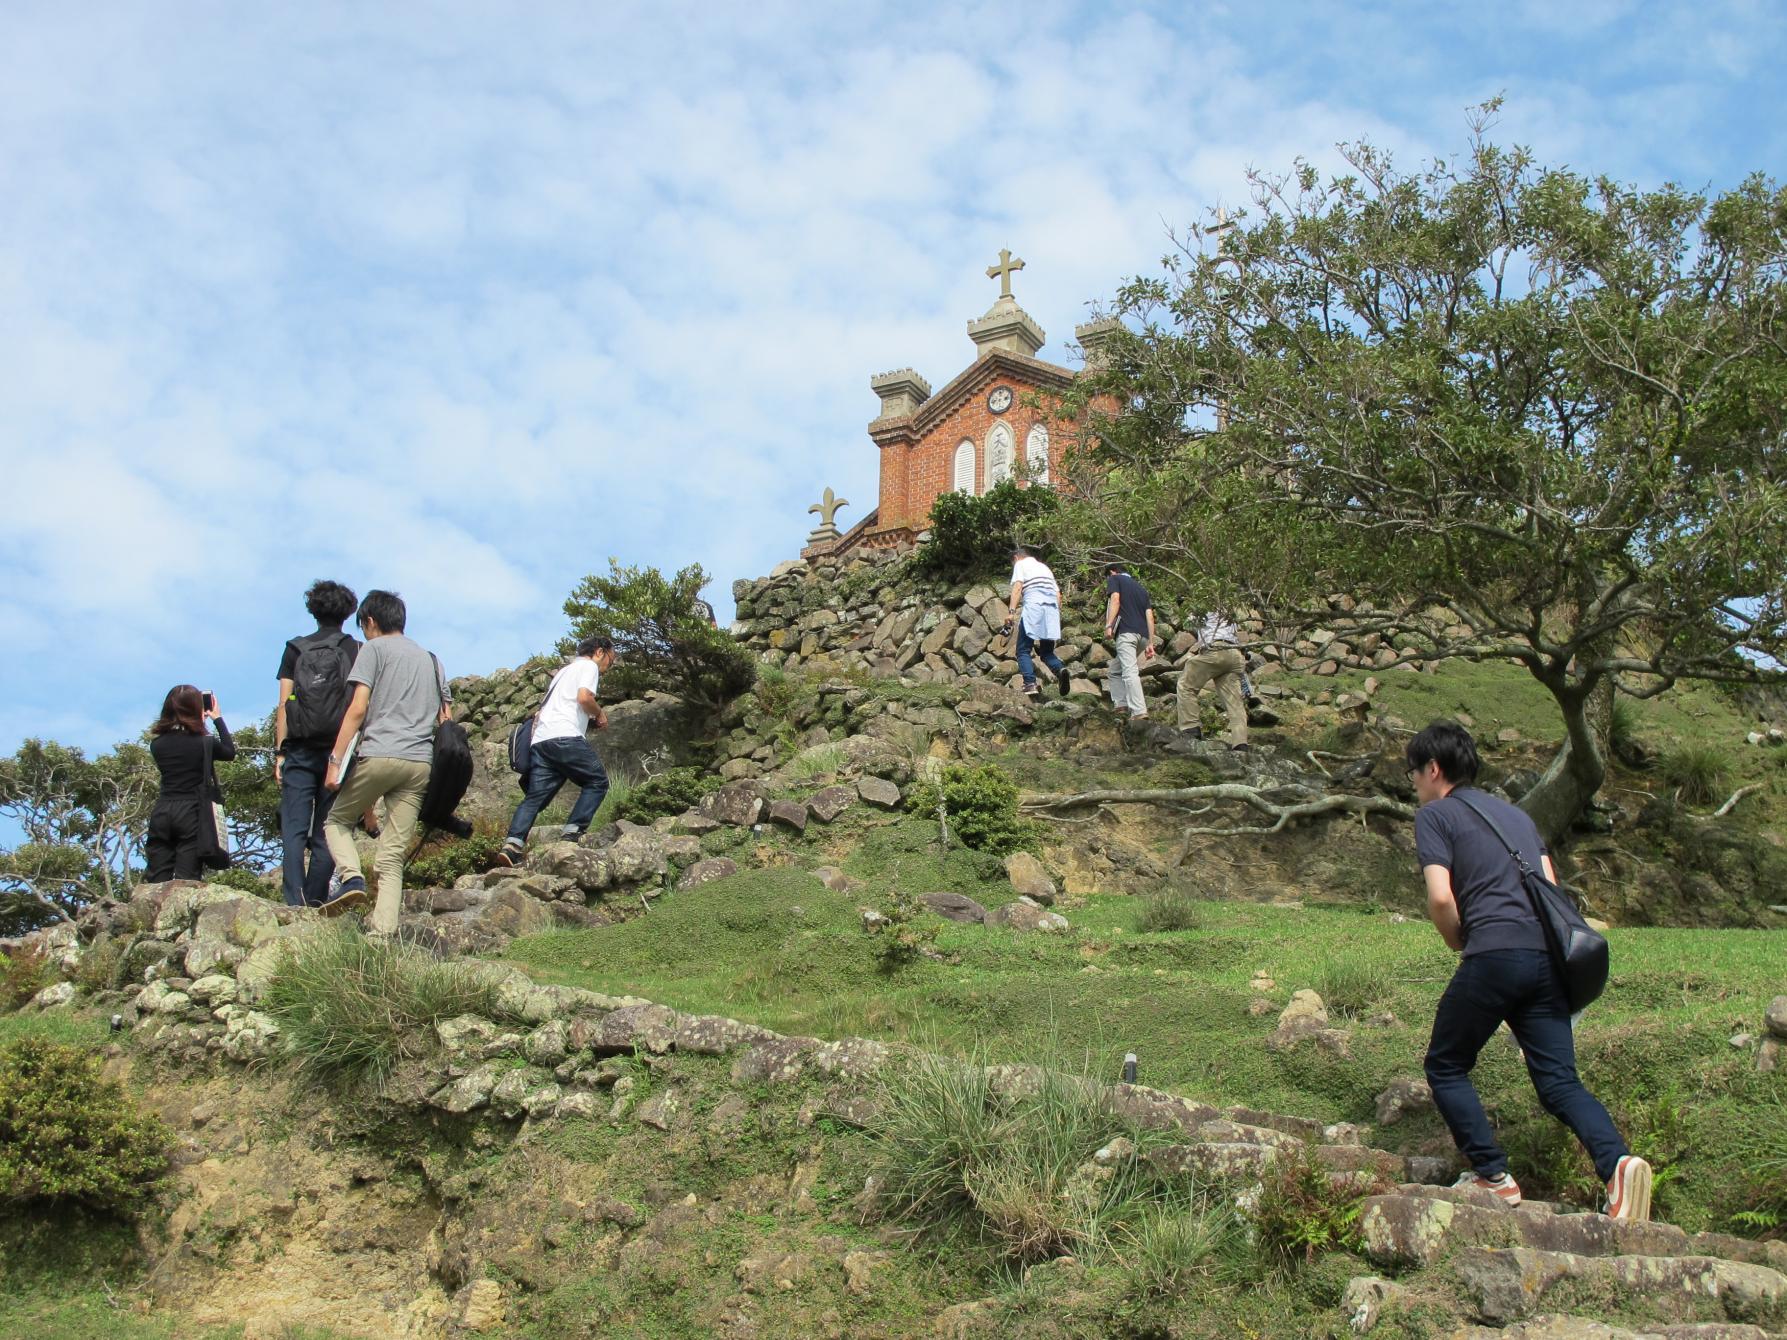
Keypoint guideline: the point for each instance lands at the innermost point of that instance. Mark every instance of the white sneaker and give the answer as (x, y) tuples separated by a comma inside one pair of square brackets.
[(1628, 1194), (1503, 1186)]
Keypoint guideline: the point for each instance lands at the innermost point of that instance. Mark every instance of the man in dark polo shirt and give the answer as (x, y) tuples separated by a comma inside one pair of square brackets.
[(1480, 907)]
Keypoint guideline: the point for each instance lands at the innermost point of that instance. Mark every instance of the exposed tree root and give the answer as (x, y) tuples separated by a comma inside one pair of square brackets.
[(1292, 804)]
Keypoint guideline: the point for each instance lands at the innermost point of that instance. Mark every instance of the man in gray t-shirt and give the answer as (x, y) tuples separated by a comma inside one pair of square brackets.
[(399, 697)]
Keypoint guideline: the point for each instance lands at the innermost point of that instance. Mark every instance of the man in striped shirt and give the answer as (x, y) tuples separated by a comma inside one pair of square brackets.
[(1036, 609), (1218, 657)]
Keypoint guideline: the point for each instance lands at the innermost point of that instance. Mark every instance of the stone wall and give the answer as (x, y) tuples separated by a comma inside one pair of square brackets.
[(866, 614)]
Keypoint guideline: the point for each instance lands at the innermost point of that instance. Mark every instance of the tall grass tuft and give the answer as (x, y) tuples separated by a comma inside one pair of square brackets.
[(351, 1007), (957, 1156), (1354, 987), (817, 762), (1179, 1243), (1698, 772), (1169, 909)]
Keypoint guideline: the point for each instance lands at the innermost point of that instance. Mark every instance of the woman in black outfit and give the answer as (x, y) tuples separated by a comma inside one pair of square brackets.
[(179, 831)]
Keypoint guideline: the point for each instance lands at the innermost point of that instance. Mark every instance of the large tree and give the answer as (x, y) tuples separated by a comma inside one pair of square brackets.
[(82, 822), (664, 633), (1514, 412)]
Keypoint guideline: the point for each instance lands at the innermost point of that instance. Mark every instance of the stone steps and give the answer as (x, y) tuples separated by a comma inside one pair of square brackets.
[(1586, 1328), (1503, 1286), (1416, 1225)]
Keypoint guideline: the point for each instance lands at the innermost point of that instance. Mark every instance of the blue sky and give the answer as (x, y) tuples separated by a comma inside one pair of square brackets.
[(461, 300)]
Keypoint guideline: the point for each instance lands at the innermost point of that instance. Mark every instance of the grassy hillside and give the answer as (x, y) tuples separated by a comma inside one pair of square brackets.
[(775, 947)]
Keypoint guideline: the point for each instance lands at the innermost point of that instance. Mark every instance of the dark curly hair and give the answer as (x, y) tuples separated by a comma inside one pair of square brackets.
[(330, 603)]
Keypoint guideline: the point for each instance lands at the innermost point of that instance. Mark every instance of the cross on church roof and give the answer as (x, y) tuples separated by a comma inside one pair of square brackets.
[(1002, 271)]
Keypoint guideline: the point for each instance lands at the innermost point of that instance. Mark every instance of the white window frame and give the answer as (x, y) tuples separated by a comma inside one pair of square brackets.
[(963, 469)]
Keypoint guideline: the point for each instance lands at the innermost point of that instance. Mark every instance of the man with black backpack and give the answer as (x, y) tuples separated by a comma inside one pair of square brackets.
[(313, 697), (1472, 847)]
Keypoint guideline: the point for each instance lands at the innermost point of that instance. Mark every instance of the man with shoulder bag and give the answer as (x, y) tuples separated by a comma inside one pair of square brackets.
[(1527, 961), (384, 751), (313, 697), (559, 751)]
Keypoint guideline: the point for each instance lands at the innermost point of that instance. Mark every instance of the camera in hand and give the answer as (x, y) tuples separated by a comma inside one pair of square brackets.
[(209, 701)]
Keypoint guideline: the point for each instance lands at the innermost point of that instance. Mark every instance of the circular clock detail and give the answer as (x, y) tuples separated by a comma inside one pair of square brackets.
[(1000, 399)]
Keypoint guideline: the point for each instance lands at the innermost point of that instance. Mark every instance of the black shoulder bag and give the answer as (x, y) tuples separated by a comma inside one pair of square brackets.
[(214, 832), (521, 739), (1578, 951)]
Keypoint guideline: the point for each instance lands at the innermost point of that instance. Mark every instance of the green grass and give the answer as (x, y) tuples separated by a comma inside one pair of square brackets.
[(60, 1025), (97, 1316)]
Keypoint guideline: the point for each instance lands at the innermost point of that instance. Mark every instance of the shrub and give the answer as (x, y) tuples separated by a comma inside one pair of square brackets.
[(69, 1136), (1301, 1213), (908, 934), (981, 803), (243, 880), (1169, 909), (1354, 987), (446, 861), (23, 973), (954, 1156), (971, 536), (1698, 772), (102, 963), (352, 1007), (661, 628), (669, 792)]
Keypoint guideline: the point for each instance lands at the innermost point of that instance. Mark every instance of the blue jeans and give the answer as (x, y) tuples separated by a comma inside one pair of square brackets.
[(303, 807), (1045, 646), (555, 762), (1520, 987)]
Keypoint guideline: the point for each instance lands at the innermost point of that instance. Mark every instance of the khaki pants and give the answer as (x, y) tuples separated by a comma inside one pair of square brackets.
[(398, 782), (1224, 665), (1122, 678)]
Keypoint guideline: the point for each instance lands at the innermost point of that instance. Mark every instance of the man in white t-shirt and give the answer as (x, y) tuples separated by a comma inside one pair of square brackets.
[(1035, 607), (561, 748)]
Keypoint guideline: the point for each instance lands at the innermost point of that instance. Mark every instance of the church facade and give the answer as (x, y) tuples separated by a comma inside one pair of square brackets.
[(995, 420)]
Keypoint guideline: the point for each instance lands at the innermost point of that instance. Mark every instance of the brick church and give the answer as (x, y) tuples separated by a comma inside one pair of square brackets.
[(980, 429)]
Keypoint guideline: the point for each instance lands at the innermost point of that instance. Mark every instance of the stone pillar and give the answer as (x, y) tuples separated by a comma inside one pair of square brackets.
[(1093, 337)]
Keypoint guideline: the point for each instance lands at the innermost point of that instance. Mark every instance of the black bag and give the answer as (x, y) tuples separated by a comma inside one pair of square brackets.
[(521, 739), (521, 746), (214, 832), (448, 776), (320, 691), (1578, 951)]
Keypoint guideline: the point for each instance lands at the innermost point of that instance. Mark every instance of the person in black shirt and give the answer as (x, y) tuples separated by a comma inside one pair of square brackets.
[(179, 829), (1479, 904), (1129, 622), (304, 726)]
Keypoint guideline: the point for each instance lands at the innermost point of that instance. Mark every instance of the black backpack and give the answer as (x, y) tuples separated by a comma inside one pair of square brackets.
[(320, 690)]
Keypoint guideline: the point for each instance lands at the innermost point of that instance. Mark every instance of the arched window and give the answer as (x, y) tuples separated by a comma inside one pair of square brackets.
[(999, 453), (1036, 454), (964, 471)]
